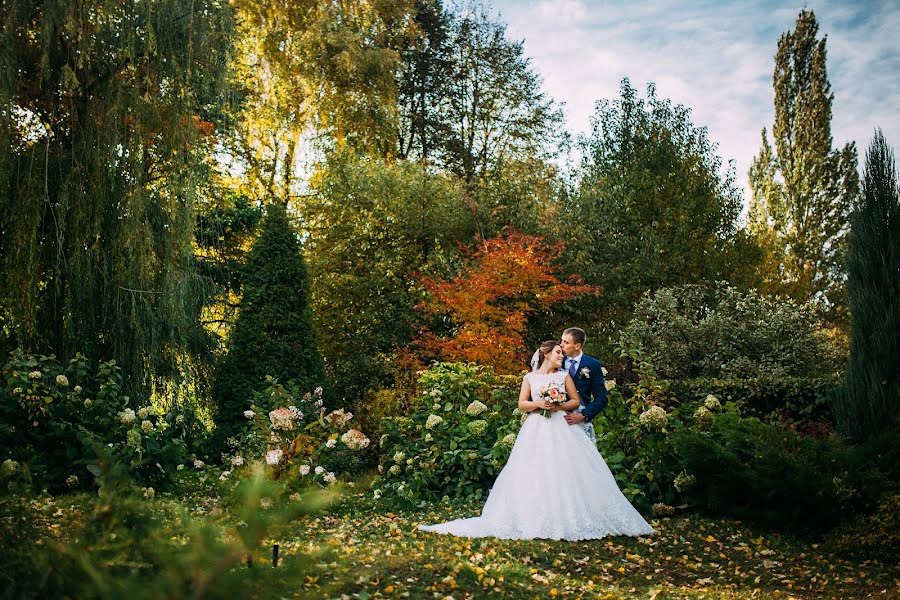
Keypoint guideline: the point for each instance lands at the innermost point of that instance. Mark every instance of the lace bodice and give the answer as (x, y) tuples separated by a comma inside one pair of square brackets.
[(541, 381)]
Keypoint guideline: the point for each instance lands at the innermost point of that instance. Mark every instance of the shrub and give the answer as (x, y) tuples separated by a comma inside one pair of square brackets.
[(298, 440), (693, 331), (768, 475), (455, 440), (54, 415), (802, 404)]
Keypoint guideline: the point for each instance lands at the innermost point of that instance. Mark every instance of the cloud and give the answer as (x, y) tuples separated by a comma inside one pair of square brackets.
[(715, 58)]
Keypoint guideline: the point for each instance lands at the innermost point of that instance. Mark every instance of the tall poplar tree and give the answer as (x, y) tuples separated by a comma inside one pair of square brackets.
[(802, 188)]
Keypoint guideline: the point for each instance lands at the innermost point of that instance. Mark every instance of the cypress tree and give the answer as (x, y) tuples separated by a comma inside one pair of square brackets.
[(273, 332), (872, 399)]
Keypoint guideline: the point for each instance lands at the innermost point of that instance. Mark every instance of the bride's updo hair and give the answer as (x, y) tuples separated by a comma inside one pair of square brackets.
[(545, 349)]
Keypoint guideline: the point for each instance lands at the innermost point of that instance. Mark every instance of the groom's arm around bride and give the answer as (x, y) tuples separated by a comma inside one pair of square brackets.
[(587, 373)]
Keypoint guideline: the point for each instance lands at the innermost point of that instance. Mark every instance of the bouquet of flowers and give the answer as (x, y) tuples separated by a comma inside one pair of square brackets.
[(555, 394)]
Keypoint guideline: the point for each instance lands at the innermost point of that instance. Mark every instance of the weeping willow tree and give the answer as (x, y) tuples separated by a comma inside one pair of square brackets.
[(106, 120)]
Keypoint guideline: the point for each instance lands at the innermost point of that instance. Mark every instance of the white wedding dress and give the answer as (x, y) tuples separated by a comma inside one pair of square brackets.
[(554, 486)]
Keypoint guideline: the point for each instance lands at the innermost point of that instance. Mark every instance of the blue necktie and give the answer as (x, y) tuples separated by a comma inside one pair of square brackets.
[(572, 364)]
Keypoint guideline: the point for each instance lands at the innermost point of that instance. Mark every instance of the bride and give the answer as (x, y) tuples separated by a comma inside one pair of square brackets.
[(555, 484)]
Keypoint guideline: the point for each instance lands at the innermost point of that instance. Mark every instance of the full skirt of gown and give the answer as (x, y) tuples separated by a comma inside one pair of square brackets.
[(555, 486)]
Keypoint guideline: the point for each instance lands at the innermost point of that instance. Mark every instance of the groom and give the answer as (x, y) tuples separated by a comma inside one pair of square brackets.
[(587, 374)]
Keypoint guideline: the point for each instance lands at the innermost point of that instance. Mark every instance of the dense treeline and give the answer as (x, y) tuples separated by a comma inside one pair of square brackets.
[(143, 143)]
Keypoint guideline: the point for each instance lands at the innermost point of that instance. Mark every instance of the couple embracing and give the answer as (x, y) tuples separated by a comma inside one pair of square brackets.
[(555, 484)]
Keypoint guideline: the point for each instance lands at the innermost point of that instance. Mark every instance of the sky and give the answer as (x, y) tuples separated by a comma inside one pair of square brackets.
[(714, 57)]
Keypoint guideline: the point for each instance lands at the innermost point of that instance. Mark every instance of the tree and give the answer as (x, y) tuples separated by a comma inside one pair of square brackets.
[(372, 225), (484, 309), (802, 189), (653, 208), (106, 120), (872, 399), (273, 333)]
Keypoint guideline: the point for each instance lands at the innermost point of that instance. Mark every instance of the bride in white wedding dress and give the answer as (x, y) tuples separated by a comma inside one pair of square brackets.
[(555, 484)]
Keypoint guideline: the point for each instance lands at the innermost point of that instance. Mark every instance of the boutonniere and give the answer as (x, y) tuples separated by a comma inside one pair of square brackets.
[(585, 372)]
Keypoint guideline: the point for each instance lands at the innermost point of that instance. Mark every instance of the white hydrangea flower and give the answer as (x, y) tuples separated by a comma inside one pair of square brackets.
[(224, 475), (237, 461), (610, 385), (304, 470), (35, 375), (475, 408), (704, 418), (376, 494), (319, 470), (433, 421), (330, 478), (127, 416), (712, 403), (509, 439), (399, 456), (77, 389), (72, 480), (477, 428), (199, 464), (17, 391), (394, 470), (143, 412), (149, 493), (249, 414), (146, 426), (331, 443), (62, 381), (273, 457), (654, 417)]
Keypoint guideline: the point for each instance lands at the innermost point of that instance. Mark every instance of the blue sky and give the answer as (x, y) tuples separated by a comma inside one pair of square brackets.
[(716, 58)]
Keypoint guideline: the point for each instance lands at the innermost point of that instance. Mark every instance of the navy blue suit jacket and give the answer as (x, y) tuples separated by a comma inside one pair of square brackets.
[(591, 386)]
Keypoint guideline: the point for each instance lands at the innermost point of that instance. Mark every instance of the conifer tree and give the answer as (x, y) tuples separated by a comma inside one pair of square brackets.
[(273, 332), (872, 399)]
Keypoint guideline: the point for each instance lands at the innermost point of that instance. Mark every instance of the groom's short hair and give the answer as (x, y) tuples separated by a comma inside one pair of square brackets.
[(577, 335)]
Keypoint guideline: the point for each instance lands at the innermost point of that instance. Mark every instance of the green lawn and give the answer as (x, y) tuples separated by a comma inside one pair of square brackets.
[(366, 550)]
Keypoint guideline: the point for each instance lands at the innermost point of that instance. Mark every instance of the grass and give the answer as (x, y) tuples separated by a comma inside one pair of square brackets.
[(365, 550)]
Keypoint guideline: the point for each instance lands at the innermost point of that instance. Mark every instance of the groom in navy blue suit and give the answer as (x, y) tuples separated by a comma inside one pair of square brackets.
[(586, 371)]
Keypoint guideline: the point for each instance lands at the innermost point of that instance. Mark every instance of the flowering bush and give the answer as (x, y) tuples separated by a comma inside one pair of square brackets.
[(54, 415), (455, 441), (298, 439)]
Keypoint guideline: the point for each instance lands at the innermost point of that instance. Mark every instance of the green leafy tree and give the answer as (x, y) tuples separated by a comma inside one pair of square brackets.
[(802, 188), (273, 334), (371, 227), (872, 399), (105, 121), (653, 208)]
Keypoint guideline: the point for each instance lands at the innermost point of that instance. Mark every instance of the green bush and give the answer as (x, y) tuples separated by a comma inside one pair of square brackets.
[(455, 440), (54, 415), (751, 470), (802, 404), (694, 331)]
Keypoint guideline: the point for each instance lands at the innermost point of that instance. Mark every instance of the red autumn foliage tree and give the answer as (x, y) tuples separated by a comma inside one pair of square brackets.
[(488, 303)]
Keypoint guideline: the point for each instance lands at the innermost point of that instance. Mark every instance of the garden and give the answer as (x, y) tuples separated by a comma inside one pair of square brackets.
[(226, 371)]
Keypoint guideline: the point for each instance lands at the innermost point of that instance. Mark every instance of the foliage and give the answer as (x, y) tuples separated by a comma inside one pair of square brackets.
[(774, 477), (273, 334), (226, 225), (872, 401), (653, 208), (372, 226), (54, 416), (106, 118), (300, 444), (455, 440), (801, 404), (803, 190), (718, 332), (485, 307), (126, 544)]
